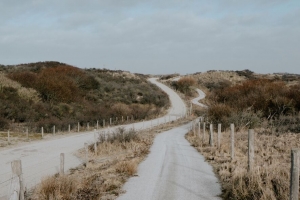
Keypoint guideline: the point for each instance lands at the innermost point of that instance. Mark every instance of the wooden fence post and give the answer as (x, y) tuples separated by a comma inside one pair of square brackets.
[(62, 164), (78, 127), (104, 123), (127, 118), (18, 184), (199, 127), (97, 127), (95, 142), (250, 149), (88, 126), (232, 140), (54, 130), (122, 119), (8, 137), (42, 132), (204, 126), (109, 121), (211, 135), (219, 135), (69, 128), (294, 179), (27, 136), (86, 147)]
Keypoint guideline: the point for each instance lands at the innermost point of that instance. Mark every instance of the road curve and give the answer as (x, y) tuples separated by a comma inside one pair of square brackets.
[(173, 171), (41, 158), (201, 96)]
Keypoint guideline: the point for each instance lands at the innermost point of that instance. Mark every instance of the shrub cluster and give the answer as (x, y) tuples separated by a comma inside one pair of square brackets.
[(247, 103), (68, 95)]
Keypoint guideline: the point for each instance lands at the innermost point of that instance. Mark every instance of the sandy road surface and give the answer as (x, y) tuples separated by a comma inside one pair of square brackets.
[(173, 170), (201, 96), (41, 158)]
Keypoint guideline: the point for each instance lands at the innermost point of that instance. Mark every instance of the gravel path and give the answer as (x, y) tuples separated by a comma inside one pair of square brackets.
[(41, 158), (173, 170), (201, 96)]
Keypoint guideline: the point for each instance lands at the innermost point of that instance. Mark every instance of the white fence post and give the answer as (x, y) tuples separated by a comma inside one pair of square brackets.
[(42, 132), (78, 127), (54, 130), (104, 123), (69, 128), (97, 124)]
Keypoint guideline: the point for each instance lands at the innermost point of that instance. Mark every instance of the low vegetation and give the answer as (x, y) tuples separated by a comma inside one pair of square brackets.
[(257, 102), (45, 94), (102, 177), (271, 174)]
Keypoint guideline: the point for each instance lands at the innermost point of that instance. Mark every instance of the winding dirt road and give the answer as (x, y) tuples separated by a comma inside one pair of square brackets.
[(41, 158)]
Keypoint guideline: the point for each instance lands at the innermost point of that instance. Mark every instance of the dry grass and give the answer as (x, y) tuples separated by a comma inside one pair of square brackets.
[(103, 176), (271, 175)]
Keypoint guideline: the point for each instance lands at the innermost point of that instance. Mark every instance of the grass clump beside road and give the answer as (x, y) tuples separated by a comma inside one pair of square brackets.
[(270, 178), (102, 177)]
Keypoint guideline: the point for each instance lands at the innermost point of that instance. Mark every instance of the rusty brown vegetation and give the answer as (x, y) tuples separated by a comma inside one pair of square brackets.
[(51, 93)]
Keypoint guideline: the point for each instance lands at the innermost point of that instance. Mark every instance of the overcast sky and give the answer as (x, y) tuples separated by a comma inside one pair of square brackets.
[(158, 36)]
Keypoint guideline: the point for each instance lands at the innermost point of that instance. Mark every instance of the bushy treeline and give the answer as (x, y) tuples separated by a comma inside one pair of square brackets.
[(249, 103), (69, 95)]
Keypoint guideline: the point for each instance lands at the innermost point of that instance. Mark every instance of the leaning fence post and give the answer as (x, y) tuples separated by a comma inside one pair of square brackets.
[(294, 179), (232, 140), (219, 135), (211, 135), (62, 164), (250, 149)]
